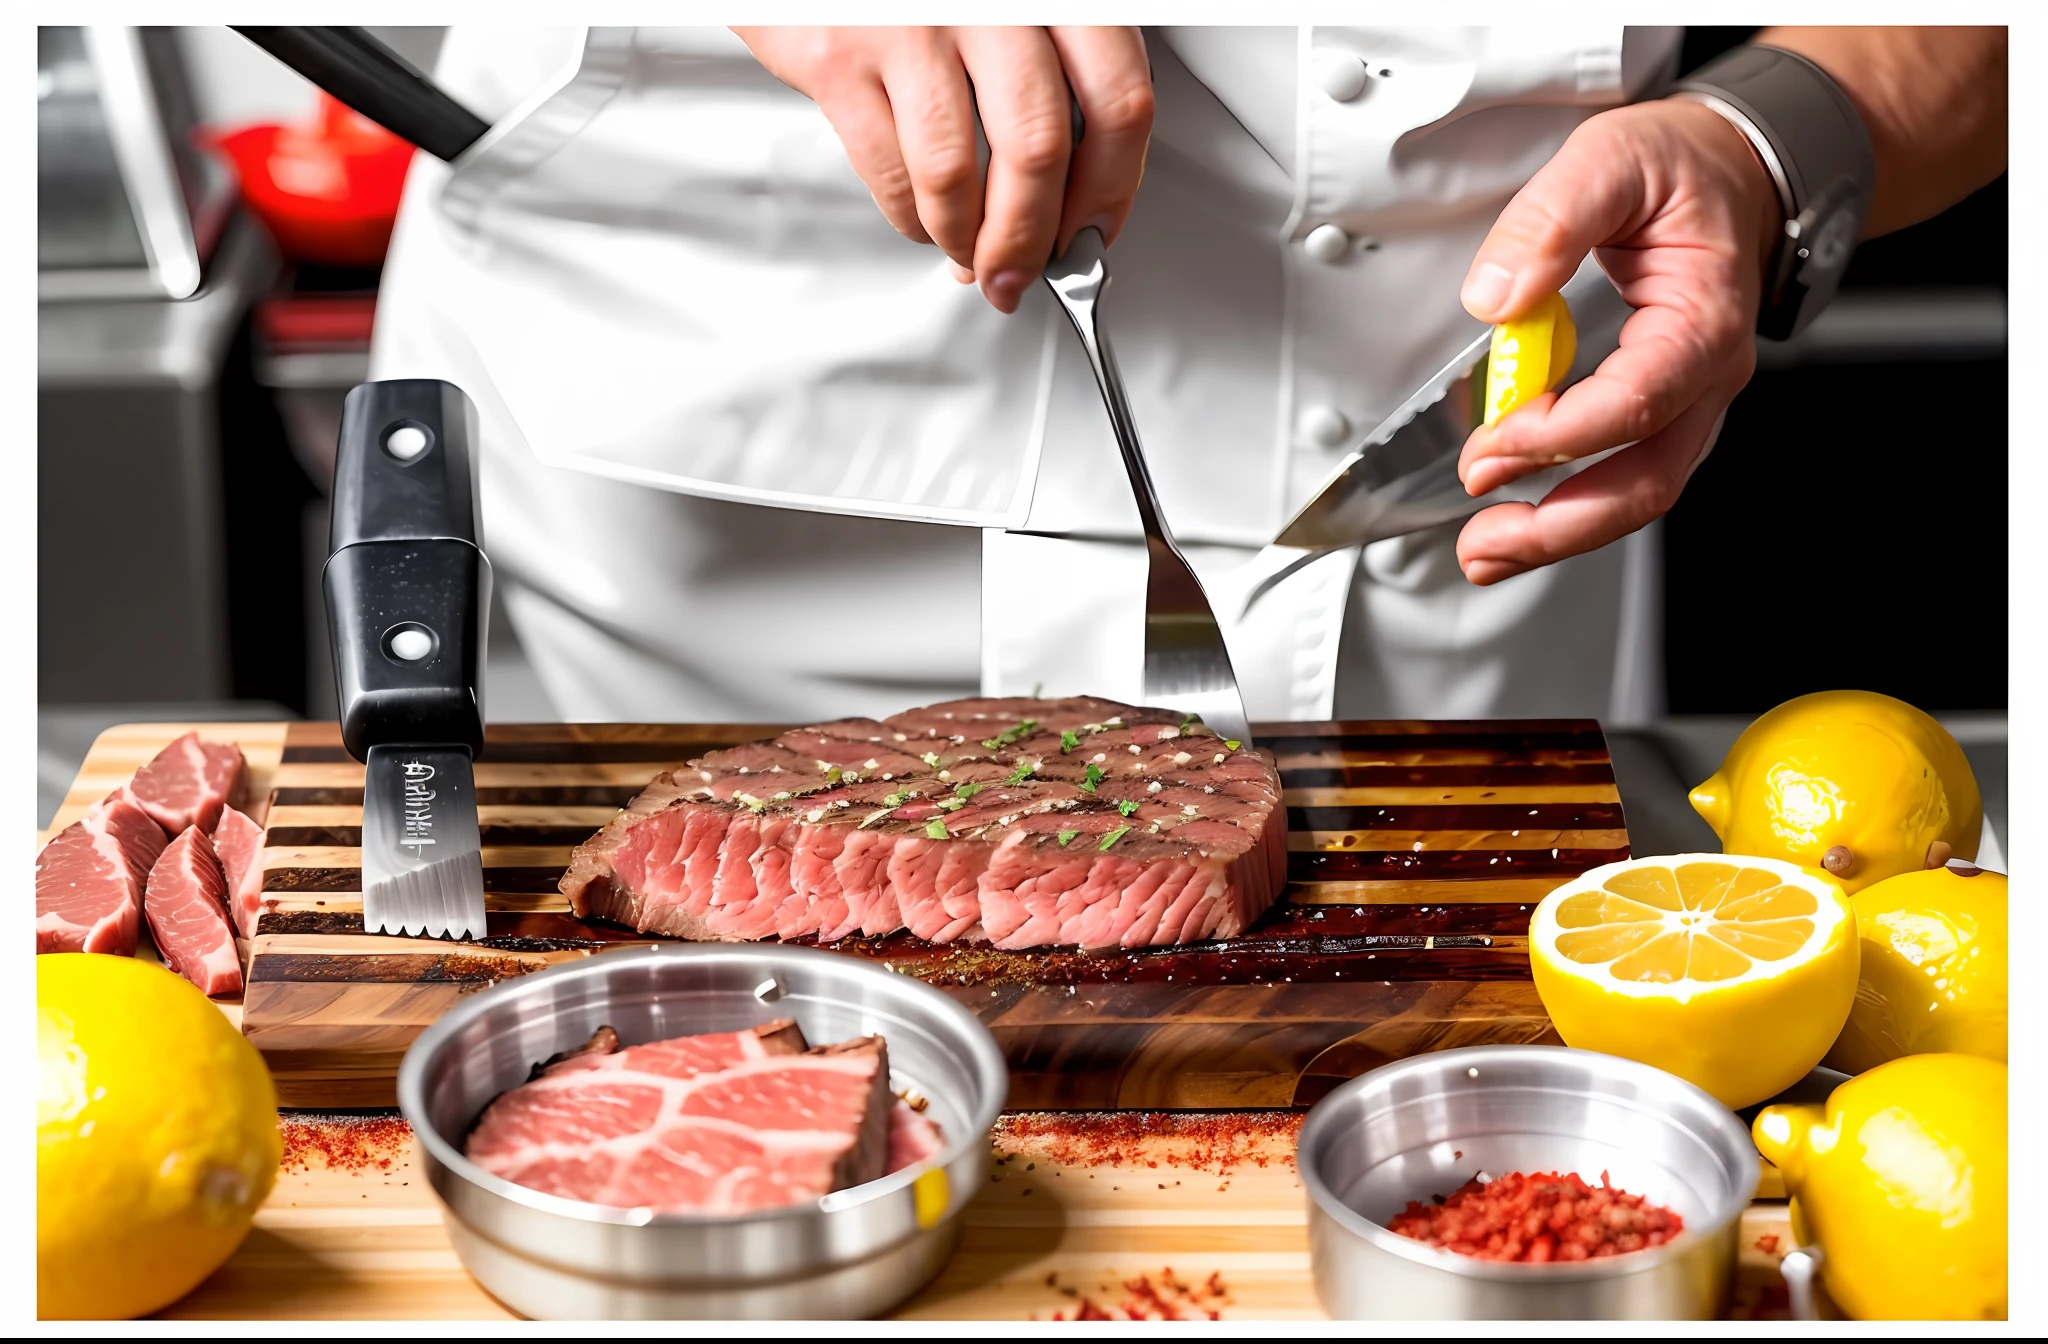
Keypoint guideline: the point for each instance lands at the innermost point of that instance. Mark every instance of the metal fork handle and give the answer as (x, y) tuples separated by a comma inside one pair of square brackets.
[(1078, 278)]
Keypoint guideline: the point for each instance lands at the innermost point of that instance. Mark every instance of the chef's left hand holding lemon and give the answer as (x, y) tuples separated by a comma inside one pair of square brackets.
[(156, 1137)]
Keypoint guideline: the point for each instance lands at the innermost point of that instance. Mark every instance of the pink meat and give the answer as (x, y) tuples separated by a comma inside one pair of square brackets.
[(913, 1137), (185, 905), (187, 783), (1019, 822), (726, 1123), (90, 877), (238, 843)]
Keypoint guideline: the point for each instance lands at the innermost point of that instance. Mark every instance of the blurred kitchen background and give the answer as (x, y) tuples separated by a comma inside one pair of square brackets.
[(210, 236)]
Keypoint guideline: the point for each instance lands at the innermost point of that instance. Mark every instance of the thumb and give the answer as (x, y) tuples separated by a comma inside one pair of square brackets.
[(1584, 197)]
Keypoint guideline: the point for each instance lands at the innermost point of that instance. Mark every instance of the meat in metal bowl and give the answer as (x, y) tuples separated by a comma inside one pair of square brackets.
[(853, 1253), (1423, 1126)]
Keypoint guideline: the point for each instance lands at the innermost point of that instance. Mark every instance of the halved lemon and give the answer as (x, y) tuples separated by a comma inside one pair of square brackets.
[(1734, 973)]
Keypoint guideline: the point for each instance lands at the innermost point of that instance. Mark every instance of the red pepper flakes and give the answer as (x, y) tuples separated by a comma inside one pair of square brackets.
[(1160, 1297), (343, 1142), (1217, 1141), (1538, 1218), (1768, 1243)]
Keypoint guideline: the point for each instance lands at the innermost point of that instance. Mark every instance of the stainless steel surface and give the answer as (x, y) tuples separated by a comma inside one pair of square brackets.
[(423, 869), (1424, 1126), (1404, 476), (854, 1253), (1187, 666)]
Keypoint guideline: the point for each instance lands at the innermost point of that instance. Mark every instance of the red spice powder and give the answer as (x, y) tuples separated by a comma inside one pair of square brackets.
[(1160, 1297), (353, 1143), (1217, 1141), (1539, 1218)]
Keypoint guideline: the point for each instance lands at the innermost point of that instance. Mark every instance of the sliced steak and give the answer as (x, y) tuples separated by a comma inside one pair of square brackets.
[(187, 783), (238, 843), (90, 877), (727, 1123), (1019, 822), (185, 906)]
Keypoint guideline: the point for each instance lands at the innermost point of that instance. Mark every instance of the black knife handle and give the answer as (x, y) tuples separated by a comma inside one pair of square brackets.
[(377, 82), (405, 466), (407, 586)]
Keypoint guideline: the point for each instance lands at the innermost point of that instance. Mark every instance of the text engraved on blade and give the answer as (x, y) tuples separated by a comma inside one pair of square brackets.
[(419, 812)]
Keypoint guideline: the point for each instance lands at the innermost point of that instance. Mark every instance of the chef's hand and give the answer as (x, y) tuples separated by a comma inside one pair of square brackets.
[(1682, 213), (904, 102)]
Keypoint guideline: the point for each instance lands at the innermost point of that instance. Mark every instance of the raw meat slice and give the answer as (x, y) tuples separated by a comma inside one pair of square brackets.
[(238, 843), (184, 908), (730, 1122), (913, 1137), (89, 880), (1019, 822), (187, 783)]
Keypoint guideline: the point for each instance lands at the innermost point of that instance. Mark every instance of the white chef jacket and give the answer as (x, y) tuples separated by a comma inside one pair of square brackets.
[(747, 453)]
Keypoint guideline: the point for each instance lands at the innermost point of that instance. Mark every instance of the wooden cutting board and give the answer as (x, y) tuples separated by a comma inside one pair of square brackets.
[(1417, 852)]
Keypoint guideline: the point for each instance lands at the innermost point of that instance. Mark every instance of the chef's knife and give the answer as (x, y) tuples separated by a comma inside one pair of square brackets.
[(408, 592), (1404, 477)]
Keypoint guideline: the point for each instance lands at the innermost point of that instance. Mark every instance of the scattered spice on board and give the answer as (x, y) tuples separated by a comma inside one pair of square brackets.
[(1218, 1142), (342, 1141), (1538, 1218), (1157, 1297), (1768, 1243)]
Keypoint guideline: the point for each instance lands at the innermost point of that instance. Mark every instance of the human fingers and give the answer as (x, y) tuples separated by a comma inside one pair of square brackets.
[(933, 109), (1603, 503), (1112, 82), (1021, 92)]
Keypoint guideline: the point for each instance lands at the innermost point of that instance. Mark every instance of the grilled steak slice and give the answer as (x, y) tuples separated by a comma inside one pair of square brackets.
[(1019, 822), (726, 1123)]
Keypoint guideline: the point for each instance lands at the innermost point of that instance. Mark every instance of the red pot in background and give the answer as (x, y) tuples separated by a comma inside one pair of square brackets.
[(327, 189)]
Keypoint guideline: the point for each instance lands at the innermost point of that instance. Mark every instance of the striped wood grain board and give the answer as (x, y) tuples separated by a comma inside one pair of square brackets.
[(1417, 850)]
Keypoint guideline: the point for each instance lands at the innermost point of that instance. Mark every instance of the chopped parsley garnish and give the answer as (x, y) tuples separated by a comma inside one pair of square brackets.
[(1188, 721), (931, 758), (1066, 837), (1232, 743), (898, 798), (1010, 736), (936, 829), (1068, 741), (1127, 806), (832, 772), (1091, 777), (967, 790), (1112, 837), (1022, 772), (950, 804)]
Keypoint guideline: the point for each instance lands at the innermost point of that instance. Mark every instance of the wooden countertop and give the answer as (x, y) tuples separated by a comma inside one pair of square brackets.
[(1203, 1215)]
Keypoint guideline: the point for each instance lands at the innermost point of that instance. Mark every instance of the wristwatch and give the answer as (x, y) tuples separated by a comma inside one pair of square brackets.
[(1814, 145)]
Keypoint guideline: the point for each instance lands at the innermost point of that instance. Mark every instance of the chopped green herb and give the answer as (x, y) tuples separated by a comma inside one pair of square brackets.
[(1066, 836), (832, 772), (1127, 806), (936, 829), (1022, 772), (1068, 741), (1232, 743), (896, 799), (950, 804), (1010, 736), (967, 790), (1188, 721), (931, 758), (1112, 837), (1091, 777)]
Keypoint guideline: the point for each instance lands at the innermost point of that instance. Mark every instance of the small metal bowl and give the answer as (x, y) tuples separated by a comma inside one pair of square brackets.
[(1424, 1126), (854, 1253)]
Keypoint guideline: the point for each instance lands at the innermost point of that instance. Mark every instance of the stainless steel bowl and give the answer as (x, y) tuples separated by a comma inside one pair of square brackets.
[(1424, 1126), (852, 1254)]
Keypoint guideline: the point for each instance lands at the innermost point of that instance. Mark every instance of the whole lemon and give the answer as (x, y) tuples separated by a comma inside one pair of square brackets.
[(156, 1137), (1857, 783), (1933, 969), (1901, 1181)]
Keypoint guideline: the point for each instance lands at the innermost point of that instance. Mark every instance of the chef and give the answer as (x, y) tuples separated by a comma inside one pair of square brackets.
[(777, 422)]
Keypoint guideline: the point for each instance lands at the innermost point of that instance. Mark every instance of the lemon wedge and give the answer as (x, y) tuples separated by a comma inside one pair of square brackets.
[(1529, 356), (1734, 973)]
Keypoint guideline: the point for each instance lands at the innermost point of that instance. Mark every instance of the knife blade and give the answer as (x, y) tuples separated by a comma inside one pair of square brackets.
[(408, 591)]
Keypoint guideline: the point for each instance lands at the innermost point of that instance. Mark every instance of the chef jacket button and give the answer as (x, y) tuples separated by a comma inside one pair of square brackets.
[(1326, 242), (1324, 426), (1339, 73)]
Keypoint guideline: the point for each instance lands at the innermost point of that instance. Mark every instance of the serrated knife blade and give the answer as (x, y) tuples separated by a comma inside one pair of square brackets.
[(423, 867)]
